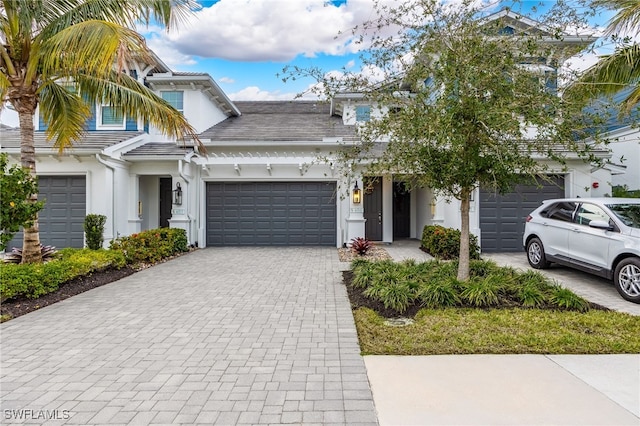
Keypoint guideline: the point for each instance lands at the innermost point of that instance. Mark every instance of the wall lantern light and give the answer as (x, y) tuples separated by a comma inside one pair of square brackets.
[(356, 194), (177, 195)]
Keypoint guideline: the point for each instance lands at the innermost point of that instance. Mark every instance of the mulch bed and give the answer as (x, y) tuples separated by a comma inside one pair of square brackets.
[(359, 300), (20, 306)]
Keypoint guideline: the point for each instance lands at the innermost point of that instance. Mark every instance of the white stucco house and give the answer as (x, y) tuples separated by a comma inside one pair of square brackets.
[(261, 181)]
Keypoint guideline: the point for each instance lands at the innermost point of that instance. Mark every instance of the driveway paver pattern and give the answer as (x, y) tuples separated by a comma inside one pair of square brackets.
[(219, 336)]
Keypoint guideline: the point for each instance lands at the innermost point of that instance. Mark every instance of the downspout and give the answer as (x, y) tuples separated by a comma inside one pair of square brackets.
[(113, 172)]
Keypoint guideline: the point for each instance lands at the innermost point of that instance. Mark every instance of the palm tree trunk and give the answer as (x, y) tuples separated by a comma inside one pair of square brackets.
[(463, 261), (31, 252)]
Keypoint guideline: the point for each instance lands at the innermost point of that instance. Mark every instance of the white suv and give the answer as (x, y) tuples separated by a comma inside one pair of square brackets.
[(596, 235)]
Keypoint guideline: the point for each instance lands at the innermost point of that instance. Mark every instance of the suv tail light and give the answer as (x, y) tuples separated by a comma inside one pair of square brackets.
[(528, 219)]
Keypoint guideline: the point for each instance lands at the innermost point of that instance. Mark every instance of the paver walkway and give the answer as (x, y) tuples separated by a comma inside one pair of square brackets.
[(219, 336)]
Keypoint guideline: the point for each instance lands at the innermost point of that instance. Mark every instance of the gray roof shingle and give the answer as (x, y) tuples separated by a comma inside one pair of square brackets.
[(91, 141), (272, 121), (159, 148)]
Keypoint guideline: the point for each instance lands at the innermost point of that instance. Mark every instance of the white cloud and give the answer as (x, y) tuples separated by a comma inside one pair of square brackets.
[(266, 30), (254, 93), (167, 51), (226, 80)]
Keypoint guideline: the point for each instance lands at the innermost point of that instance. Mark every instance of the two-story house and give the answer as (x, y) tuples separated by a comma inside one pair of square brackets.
[(269, 176)]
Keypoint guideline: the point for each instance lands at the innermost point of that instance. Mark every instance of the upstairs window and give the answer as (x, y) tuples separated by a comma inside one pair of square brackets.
[(111, 116), (175, 99), (363, 113)]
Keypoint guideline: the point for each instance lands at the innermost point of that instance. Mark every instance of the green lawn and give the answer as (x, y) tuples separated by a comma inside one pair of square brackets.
[(500, 331)]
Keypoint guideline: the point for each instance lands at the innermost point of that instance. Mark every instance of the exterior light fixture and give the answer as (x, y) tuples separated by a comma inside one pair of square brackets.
[(356, 194), (177, 195)]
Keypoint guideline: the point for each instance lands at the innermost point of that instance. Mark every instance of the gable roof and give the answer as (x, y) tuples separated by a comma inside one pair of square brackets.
[(195, 80), (523, 26), (284, 121)]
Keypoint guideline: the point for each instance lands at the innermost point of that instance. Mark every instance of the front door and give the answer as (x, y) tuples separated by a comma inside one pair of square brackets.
[(165, 202), (373, 209), (401, 210)]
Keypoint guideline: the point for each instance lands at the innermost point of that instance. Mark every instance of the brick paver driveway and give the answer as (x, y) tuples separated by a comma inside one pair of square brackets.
[(219, 336)]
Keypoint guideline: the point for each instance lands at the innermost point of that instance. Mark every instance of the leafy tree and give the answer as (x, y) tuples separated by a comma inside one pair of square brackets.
[(16, 210), (621, 69), (65, 55), (461, 108)]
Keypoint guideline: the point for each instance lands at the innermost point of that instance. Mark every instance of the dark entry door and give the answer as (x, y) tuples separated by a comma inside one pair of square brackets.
[(165, 202), (373, 209), (401, 207)]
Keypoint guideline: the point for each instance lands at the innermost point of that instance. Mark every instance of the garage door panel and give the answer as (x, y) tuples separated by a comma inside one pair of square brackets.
[(502, 216), (271, 213), (62, 218)]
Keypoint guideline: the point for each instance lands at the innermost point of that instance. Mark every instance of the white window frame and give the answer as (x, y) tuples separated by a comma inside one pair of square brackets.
[(174, 91), (101, 126)]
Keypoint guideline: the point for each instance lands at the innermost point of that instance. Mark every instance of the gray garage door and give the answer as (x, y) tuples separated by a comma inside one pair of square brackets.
[(502, 217), (271, 213), (62, 218)]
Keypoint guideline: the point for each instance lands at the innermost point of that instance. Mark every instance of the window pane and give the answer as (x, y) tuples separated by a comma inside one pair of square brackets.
[(561, 211), (588, 212), (363, 113), (175, 98), (112, 116)]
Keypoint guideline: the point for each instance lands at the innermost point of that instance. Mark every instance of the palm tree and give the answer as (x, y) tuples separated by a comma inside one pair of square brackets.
[(65, 55), (621, 69)]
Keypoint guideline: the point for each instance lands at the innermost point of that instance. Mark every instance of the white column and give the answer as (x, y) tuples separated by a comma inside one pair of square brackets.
[(355, 220)]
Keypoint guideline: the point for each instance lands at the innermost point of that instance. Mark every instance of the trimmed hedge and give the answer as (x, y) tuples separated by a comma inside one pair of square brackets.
[(152, 245), (35, 280), (444, 243)]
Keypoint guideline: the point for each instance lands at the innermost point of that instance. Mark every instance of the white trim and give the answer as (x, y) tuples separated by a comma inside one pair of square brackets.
[(100, 126)]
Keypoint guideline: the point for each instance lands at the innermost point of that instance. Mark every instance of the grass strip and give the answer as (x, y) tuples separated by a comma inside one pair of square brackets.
[(500, 331)]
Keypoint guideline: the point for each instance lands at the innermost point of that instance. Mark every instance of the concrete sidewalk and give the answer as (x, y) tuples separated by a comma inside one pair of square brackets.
[(506, 389), (510, 389)]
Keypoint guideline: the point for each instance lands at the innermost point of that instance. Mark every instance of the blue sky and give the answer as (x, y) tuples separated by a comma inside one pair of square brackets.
[(244, 44)]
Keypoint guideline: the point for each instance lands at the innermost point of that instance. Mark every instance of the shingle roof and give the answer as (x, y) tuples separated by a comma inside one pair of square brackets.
[(91, 141), (159, 148), (272, 121)]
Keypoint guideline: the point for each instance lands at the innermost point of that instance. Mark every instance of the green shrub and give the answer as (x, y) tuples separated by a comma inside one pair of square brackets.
[(482, 292), (623, 191), (439, 293), (94, 230), (444, 243), (152, 245), (35, 280), (566, 299), (434, 285)]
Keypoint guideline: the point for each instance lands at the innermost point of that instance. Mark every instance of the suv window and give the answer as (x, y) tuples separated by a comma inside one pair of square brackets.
[(588, 212), (629, 214), (560, 211)]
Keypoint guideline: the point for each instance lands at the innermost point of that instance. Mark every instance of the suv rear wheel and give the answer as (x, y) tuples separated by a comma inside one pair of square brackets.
[(535, 254), (627, 279)]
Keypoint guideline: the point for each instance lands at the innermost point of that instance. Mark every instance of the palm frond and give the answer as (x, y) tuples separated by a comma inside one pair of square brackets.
[(65, 113), (616, 72), (126, 13), (136, 100), (626, 20), (91, 47)]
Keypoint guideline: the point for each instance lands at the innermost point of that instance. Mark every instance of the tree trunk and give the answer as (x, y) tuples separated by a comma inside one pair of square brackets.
[(463, 261), (31, 252)]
